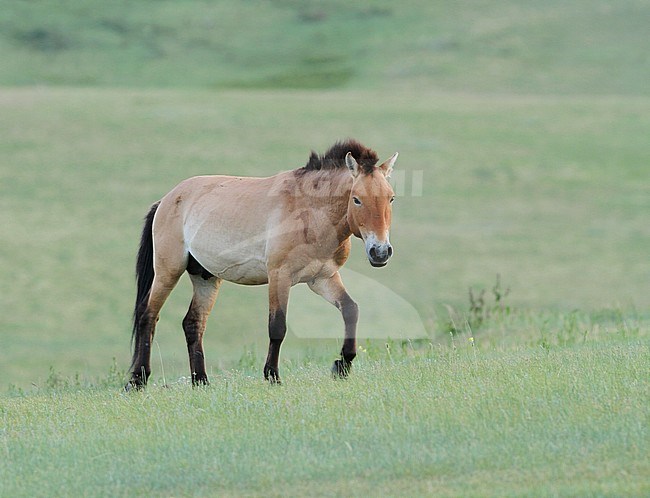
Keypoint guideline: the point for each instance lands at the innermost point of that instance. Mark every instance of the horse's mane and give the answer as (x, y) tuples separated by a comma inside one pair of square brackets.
[(334, 158)]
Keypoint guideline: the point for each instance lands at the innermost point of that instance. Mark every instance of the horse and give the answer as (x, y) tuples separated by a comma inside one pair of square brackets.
[(294, 227)]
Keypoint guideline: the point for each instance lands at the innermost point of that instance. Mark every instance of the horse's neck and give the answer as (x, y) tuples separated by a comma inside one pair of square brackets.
[(329, 191), (340, 200)]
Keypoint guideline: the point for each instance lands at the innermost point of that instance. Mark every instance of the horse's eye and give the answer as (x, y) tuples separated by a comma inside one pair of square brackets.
[(357, 201), (392, 199)]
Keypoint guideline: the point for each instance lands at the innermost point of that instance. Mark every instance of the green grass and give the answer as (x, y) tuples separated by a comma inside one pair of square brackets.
[(437, 421)]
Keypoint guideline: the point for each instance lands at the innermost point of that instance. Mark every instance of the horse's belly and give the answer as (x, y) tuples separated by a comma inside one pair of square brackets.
[(244, 266), (226, 250), (245, 273)]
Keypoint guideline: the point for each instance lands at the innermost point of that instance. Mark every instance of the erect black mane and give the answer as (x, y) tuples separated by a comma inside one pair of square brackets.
[(334, 158)]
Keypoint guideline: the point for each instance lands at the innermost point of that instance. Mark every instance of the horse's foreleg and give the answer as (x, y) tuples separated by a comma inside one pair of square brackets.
[(279, 286), (333, 291), (194, 323)]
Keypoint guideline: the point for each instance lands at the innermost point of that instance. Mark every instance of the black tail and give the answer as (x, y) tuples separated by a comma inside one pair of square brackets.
[(144, 268)]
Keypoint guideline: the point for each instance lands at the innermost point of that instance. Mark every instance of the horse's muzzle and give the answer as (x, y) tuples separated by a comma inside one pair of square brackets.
[(379, 254)]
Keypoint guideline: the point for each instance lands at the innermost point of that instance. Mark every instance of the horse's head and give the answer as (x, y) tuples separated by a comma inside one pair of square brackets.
[(369, 208)]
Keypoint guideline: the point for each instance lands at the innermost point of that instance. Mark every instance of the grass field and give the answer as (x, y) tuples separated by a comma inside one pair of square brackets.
[(523, 135), (505, 190), (567, 421)]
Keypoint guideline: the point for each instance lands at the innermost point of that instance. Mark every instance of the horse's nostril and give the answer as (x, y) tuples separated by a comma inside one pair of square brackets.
[(390, 251), (373, 253)]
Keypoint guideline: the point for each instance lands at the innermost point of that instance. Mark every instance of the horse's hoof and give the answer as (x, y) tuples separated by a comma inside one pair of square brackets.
[(272, 375), (200, 381), (341, 368), (134, 385)]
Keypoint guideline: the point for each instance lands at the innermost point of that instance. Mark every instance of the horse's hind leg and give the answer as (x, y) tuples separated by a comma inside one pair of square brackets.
[(206, 288), (163, 284), (333, 291)]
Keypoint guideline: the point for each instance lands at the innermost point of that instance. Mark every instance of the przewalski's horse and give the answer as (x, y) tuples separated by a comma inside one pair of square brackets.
[(294, 227)]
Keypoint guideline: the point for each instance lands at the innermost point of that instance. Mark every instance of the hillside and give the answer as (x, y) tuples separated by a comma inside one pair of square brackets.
[(520, 46)]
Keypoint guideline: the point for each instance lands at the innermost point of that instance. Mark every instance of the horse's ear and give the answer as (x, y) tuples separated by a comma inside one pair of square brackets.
[(387, 166), (352, 164)]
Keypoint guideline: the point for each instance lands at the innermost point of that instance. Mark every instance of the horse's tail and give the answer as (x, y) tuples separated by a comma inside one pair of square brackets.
[(144, 272)]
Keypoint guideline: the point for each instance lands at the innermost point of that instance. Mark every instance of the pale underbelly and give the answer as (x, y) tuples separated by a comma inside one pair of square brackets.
[(245, 273), (241, 262), (241, 267)]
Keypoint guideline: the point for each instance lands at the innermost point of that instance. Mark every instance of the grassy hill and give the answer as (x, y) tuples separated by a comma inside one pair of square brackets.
[(520, 46)]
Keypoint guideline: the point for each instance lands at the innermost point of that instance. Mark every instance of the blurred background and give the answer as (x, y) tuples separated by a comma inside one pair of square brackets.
[(522, 129)]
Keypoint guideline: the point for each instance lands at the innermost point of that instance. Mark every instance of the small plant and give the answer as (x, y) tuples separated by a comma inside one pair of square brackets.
[(115, 377), (15, 391), (481, 309), (248, 360), (55, 380)]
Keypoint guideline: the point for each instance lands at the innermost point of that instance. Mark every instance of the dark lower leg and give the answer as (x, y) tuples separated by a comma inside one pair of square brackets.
[(194, 326), (146, 318), (206, 288), (140, 368), (349, 350), (350, 312), (277, 331)]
